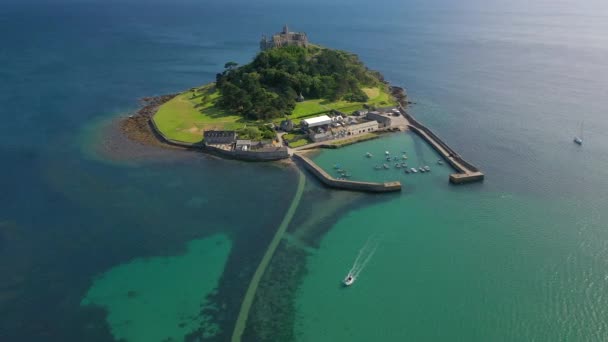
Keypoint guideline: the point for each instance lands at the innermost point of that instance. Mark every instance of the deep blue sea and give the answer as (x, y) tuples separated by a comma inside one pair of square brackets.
[(506, 83)]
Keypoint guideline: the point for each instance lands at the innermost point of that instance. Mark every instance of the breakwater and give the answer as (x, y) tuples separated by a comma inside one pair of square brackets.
[(330, 181), (466, 172)]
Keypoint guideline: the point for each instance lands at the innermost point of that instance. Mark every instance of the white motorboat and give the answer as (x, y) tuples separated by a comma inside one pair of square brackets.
[(427, 168), (385, 166), (387, 152), (414, 170), (349, 280), (368, 155)]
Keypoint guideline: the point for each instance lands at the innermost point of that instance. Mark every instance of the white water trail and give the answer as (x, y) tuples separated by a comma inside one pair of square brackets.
[(365, 255), (362, 266)]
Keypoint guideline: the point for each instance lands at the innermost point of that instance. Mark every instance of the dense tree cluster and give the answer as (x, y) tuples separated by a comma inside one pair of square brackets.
[(268, 86)]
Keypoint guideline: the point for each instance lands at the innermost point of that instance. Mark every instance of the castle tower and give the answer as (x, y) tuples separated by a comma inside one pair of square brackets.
[(285, 29)]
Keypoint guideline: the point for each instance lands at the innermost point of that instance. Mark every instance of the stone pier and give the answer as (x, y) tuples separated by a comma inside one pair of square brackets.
[(331, 182), (466, 172)]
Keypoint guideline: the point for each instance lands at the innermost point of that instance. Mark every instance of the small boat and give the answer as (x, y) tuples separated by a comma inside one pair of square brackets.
[(421, 169), (397, 165), (387, 152), (440, 162), (368, 155), (414, 170), (377, 167), (347, 175), (427, 168), (578, 140), (386, 166), (403, 165), (336, 166), (404, 157), (349, 280), (407, 171)]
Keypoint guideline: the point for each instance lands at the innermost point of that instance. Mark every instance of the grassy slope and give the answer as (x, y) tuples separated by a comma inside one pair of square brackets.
[(184, 118), (377, 96)]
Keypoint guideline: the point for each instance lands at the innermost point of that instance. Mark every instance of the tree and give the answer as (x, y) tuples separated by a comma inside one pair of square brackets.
[(267, 87), (230, 66)]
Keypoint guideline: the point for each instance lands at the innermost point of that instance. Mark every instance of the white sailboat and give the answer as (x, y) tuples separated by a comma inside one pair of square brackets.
[(579, 139)]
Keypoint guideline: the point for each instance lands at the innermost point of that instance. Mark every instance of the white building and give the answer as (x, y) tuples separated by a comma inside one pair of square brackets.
[(316, 121)]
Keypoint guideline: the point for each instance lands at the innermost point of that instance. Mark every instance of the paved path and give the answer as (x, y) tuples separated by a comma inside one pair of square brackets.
[(241, 321)]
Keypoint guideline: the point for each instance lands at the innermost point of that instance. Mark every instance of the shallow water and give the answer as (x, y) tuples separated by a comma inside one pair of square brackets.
[(505, 83), (156, 297)]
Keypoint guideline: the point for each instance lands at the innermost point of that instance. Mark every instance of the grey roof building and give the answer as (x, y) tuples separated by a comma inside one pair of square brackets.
[(219, 137), (383, 119)]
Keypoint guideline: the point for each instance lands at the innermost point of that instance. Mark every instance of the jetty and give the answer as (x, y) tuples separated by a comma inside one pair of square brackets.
[(331, 182), (466, 172)]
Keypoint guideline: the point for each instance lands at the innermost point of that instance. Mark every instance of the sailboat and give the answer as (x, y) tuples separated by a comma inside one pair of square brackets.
[(579, 139)]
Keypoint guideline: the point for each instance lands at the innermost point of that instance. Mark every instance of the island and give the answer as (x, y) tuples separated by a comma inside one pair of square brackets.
[(294, 95)]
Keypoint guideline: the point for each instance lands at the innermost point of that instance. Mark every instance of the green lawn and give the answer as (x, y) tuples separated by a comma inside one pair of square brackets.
[(378, 96), (299, 143), (185, 117)]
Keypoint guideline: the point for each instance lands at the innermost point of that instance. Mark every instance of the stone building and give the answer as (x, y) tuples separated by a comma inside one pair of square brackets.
[(360, 128), (219, 137), (284, 38), (384, 120), (287, 125)]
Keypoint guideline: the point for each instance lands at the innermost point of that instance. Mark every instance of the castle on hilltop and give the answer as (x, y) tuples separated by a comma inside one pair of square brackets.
[(284, 38)]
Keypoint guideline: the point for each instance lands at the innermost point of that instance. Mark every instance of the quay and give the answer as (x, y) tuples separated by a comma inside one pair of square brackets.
[(330, 181), (466, 172)]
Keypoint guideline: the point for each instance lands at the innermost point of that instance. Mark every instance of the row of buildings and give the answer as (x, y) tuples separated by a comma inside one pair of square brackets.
[(228, 141), (317, 129), (322, 128)]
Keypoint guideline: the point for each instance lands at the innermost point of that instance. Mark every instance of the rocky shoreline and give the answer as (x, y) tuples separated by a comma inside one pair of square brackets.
[(137, 126)]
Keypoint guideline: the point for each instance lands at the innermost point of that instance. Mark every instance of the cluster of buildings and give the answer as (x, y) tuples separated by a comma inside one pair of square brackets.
[(322, 128), (228, 141)]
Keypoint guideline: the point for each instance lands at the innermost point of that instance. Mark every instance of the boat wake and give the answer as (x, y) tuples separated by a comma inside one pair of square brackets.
[(363, 257)]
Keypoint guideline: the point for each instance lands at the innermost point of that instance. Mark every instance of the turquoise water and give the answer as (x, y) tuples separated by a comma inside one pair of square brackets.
[(353, 159), (479, 265), (505, 83), (155, 297)]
